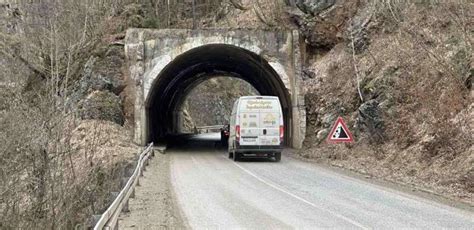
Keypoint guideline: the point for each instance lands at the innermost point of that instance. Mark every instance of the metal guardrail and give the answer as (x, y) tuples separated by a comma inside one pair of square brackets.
[(208, 128), (109, 219)]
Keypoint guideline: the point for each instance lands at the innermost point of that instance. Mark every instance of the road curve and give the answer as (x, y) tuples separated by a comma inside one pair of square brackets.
[(215, 192)]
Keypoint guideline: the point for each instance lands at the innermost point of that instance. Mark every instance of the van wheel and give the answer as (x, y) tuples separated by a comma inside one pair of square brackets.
[(236, 156), (277, 157)]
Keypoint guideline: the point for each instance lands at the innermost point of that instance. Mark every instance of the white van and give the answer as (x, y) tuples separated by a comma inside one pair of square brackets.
[(256, 128)]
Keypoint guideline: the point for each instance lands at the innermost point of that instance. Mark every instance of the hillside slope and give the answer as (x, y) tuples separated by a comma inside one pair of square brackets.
[(402, 79)]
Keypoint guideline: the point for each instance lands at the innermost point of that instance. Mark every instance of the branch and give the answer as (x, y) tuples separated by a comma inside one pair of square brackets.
[(354, 62)]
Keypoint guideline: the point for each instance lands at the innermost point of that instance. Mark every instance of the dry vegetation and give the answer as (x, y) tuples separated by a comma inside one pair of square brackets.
[(65, 110), (403, 81), (60, 66), (400, 73), (51, 175)]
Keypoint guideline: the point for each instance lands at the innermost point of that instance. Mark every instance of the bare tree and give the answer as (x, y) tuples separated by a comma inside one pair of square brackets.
[(47, 41)]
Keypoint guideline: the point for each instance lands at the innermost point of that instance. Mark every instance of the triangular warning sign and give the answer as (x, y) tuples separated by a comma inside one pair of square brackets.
[(340, 132)]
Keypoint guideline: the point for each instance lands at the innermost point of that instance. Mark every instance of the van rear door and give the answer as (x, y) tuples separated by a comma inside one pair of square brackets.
[(249, 121), (260, 120)]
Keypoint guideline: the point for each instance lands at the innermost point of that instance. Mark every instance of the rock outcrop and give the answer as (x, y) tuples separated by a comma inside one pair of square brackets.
[(323, 23), (314, 7), (370, 120), (102, 105), (98, 93)]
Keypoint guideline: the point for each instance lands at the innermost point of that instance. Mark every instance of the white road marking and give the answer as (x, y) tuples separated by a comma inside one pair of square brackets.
[(401, 195), (301, 199)]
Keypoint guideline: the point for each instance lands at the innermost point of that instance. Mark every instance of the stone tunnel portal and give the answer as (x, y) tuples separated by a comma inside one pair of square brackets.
[(183, 73)]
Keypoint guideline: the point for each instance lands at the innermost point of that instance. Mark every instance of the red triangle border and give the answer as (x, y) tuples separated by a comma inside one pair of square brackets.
[(344, 126)]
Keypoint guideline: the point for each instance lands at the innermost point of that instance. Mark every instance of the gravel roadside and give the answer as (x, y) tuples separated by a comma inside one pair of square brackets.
[(154, 206)]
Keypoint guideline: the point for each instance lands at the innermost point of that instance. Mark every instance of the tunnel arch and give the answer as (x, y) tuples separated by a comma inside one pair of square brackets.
[(169, 88)]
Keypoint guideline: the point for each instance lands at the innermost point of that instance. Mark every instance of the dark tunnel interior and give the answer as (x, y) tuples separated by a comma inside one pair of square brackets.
[(189, 69)]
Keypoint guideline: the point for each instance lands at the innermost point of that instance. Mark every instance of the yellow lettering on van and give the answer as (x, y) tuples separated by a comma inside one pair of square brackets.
[(257, 104)]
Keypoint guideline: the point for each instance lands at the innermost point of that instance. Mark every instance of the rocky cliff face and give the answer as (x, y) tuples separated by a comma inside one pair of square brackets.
[(188, 123), (99, 93)]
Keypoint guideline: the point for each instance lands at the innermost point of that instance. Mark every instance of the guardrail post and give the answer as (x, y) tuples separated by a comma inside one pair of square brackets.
[(125, 207), (152, 152), (132, 194)]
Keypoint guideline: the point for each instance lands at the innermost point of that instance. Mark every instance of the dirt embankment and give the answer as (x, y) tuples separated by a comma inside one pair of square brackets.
[(102, 153)]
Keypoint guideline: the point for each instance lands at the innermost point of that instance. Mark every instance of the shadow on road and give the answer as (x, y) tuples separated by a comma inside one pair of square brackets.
[(205, 144), (199, 142)]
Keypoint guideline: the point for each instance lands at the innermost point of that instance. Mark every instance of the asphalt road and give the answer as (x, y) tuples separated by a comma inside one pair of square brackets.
[(215, 192)]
